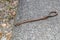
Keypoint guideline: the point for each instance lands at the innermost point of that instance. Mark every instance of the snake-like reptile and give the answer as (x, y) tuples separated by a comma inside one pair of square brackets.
[(51, 14)]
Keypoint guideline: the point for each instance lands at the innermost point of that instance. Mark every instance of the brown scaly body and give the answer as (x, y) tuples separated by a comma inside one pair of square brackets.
[(51, 14)]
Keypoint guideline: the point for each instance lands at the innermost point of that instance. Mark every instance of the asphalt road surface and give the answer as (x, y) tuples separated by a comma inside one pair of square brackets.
[(40, 30)]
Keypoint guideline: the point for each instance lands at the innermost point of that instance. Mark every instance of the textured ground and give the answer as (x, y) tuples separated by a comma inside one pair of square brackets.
[(41, 30)]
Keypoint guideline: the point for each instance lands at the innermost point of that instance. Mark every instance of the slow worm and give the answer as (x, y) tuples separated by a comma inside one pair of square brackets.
[(51, 14)]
